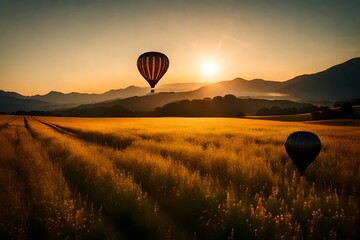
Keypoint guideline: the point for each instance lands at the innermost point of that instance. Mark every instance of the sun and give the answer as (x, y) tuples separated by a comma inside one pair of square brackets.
[(210, 69)]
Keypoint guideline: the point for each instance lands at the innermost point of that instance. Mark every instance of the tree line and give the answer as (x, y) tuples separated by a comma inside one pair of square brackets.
[(346, 111), (226, 106)]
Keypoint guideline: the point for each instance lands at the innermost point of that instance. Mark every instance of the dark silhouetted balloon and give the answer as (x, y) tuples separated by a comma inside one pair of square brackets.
[(303, 148), (153, 66)]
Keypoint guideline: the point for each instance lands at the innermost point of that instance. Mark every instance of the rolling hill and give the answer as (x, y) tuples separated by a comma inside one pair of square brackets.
[(13, 104), (241, 87), (340, 82), (11, 94), (85, 98), (238, 87), (12, 101), (227, 106)]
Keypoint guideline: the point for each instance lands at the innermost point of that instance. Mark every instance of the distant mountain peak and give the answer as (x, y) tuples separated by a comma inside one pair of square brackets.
[(55, 92), (132, 87), (239, 79), (339, 82), (355, 59), (252, 80)]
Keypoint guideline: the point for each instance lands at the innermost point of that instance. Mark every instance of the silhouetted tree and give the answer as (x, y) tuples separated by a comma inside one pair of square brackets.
[(275, 110), (230, 97), (309, 109), (353, 102), (316, 115), (263, 112), (347, 110), (327, 113), (218, 99), (240, 115)]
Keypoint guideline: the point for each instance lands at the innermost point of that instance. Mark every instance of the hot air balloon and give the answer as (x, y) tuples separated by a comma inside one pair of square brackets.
[(303, 147), (152, 66)]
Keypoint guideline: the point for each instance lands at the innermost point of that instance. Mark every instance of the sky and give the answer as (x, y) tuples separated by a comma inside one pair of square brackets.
[(92, 46)]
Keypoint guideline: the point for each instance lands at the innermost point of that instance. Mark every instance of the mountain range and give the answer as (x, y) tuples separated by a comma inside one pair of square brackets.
[(340, 82)]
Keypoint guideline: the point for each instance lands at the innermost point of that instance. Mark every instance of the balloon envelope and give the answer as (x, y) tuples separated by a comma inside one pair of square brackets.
[(303, 147), (152, 66)]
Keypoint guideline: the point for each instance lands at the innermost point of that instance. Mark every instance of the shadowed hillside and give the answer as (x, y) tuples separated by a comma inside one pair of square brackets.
[(227, 106), (83, 98), (61, 100), (113, 111), (325, 85), (240, 87), (12, 104), (11, 94), (339, 82)]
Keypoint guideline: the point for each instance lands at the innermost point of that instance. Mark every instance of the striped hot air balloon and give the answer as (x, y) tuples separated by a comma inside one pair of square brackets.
[(153, 66), (303, 147)]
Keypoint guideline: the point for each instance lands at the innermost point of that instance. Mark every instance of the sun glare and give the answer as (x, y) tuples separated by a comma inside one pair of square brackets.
[(210, 69)]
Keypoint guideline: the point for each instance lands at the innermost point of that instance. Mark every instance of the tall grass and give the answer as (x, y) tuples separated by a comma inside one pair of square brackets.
[(193, 178), (94, 175), (42, 199)]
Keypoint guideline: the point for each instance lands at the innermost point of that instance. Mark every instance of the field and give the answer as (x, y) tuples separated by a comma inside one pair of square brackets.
[(183, 178)]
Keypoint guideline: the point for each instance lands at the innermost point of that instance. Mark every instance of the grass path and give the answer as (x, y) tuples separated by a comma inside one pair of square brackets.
[(187, 178), (92, 173), (167, 182), (51, 208), (264, 183), (7, 121)]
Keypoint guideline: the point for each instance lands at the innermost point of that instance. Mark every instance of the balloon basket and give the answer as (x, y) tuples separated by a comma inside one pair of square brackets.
[(152, 90)]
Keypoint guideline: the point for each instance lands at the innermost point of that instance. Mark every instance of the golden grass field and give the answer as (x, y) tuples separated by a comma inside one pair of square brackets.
[(182, 178)]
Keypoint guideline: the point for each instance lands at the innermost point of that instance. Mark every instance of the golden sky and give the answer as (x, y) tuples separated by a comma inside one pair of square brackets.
[(92, 46)]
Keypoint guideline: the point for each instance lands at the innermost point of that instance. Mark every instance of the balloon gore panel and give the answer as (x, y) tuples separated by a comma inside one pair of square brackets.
[(152, 66), (303, 148)]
